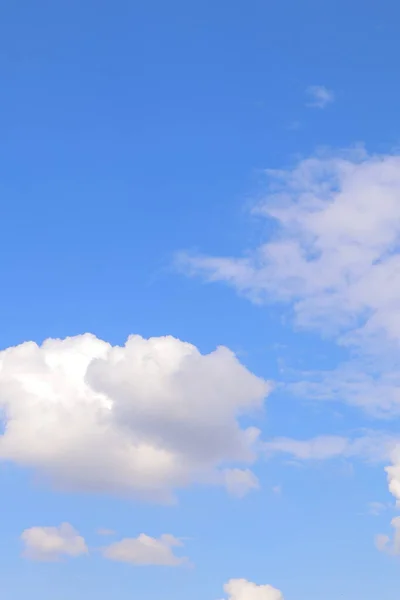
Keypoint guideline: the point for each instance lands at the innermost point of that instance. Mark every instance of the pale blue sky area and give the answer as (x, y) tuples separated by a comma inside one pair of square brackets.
[(132, 132)]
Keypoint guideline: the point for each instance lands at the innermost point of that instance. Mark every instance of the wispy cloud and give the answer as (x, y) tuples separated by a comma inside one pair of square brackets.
[(294, 126), (377, 508), (334, 259), (371, 447), (319, 96), (334, 254)]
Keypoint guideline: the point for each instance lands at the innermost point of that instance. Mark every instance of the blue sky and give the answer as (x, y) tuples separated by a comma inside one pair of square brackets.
[(226, 174)]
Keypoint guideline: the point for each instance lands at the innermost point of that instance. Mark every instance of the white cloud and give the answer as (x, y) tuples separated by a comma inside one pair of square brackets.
[(241, 589), (334, 251), (240, 482), (373, 447), (319, 448), (145, 550), (376, 392), (393, 474), (319, 96), (385, 544), (142, 419), (52, 543), (334, 259)]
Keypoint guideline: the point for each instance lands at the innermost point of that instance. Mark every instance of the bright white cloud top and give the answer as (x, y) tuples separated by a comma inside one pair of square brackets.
[(53, 543), (241, 589), (142, 419)]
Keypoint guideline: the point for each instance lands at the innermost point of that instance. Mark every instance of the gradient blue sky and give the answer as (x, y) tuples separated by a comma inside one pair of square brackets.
[(131, 132)]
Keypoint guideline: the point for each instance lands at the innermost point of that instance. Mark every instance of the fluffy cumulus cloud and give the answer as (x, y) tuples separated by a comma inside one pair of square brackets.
[(241, 589), (145, 550), (52, 543), (141, 419)]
